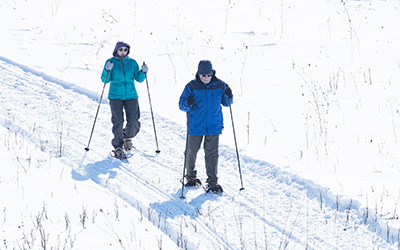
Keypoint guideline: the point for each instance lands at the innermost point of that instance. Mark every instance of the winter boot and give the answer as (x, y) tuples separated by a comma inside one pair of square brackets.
[(127, 144), (192, 182), (214, 187), (119, 153)]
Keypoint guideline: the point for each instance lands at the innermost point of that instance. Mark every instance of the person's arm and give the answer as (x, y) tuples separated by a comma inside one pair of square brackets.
[(107, 67), (227, 97), (183, 100), (139, 76)]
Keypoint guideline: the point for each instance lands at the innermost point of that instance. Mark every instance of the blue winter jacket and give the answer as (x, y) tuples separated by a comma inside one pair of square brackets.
[(206, 114), (122, 78)]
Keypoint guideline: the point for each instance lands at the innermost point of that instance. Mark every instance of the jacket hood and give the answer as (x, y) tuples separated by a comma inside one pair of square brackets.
[(120, 45)]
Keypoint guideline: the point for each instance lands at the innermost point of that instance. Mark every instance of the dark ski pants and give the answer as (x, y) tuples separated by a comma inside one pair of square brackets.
[(132, 126), (211, 143)]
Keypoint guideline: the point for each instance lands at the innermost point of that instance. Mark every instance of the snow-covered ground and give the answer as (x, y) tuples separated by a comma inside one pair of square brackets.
[(316, 114)]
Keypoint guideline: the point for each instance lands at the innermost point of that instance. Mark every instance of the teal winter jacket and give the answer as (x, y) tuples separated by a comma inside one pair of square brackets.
[(122, 78)]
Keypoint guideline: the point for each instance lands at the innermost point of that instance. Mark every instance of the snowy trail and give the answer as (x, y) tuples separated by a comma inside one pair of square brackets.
[(275, 210)]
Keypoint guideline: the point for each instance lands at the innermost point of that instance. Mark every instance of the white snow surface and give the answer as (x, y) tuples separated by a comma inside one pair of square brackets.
[(316, 117)]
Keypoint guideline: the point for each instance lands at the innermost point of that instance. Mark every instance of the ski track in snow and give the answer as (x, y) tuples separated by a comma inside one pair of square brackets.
[(276, 209)]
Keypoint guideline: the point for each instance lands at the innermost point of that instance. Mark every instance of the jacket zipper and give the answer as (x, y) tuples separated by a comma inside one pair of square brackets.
[(123, 71), (207, 111)]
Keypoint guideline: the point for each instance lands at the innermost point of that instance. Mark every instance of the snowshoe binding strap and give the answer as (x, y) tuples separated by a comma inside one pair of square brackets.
[(215, 188), (192, 182), (119, 153), (128, 144)]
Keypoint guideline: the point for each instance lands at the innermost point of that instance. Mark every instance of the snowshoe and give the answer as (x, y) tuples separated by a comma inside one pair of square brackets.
[(119, 153), (192, 182), (214, 187), (127, 144)]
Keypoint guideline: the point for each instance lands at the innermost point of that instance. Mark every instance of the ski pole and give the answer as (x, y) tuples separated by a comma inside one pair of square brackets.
[(151, 110), (98, 108), (237, 152), (186, 147)]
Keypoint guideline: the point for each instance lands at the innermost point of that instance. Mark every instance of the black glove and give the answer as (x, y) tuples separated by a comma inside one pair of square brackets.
[(190, 100), (228, 92)]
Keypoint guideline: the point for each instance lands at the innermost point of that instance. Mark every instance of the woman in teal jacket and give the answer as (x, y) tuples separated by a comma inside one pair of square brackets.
[(121, 72)]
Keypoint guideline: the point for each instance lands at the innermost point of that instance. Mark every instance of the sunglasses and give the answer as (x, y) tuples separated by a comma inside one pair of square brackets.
[(123, 49), (209, 75)]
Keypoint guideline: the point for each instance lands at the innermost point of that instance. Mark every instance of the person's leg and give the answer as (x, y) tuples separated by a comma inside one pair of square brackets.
[(132, 118), (117, 119), (211, 144), (193, 146)]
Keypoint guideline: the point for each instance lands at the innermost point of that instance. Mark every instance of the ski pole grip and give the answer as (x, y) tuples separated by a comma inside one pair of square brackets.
[(145, 73)]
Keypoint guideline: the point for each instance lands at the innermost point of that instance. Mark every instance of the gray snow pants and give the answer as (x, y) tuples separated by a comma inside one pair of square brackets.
[(132, 126), (211, 143)]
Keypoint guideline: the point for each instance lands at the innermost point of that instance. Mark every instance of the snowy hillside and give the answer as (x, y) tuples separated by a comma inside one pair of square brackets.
[(316, 113)]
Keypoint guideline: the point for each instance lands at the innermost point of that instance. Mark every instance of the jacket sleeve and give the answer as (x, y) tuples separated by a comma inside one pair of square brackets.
[(139, 76), (183, 99), (225, 99), (104, 73)]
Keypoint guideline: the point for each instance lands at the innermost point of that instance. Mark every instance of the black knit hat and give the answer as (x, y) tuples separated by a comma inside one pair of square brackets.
[(205, 67)]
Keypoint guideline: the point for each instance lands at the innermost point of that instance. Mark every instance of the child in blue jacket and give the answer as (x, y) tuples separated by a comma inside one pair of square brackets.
[(202, 99)]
